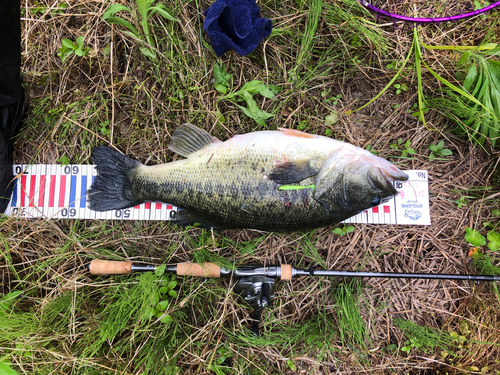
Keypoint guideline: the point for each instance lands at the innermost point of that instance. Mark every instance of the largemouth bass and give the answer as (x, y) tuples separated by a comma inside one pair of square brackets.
[(268, 180)]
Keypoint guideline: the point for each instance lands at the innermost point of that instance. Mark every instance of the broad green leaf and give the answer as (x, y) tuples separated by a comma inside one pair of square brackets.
[(471, 77), (142, 7), (163, 290), (473, 237), (463, 58), (172, 293), (494, 238), (253, 111), (253, 87), (420, 90), (338, 231), (258, 115), (222, 79), (115, 8), (446, 152), (80, 41), (267, 93), (220, 88), (433, 148), (5, 368), (162, 305), (496, 212), (220, 116), (67, 43), (275, 89), (148, 52), (440, 145), (480, 84), (172, 284), (332, 118), (162, 12), (122, 22), (166, 319), (350, 229), (488, 46)]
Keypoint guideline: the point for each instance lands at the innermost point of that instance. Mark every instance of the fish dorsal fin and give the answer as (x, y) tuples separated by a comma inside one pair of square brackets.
[(293, 171), (296, 133), (188, 138)]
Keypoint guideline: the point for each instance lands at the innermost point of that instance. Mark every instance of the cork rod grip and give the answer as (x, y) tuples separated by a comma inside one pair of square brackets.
[(286, 272), (200, 270), (109, 267)]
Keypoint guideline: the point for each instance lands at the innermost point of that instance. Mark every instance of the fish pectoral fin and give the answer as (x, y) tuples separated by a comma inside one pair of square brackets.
[(294, 171), (188, 138), (188, 217)]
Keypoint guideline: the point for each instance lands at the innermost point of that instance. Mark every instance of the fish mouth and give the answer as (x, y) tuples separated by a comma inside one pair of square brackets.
[(382, 178), (394, 174)]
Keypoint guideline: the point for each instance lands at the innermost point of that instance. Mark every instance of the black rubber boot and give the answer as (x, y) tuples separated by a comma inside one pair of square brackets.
[(12, 99)]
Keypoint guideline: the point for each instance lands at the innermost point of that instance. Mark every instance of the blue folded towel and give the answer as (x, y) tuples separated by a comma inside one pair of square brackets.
[(235, 24)]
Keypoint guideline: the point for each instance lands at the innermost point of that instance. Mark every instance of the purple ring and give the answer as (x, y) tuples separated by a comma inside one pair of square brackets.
[(428, 20)]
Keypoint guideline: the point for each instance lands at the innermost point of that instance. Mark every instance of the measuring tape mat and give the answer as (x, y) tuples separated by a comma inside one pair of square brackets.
[(60, 192)]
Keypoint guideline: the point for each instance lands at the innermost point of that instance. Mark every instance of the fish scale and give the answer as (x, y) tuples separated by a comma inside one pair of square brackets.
[(236, 184)]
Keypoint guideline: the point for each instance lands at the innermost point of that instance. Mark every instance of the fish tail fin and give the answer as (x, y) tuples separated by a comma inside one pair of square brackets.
[(112, 188)]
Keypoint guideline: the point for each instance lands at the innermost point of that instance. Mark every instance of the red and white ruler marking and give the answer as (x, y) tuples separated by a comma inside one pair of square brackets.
[(56, 191)]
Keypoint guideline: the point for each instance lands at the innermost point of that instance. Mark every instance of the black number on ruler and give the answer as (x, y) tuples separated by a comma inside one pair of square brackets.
[(75, 169), (67, 169), (19, 170), (421, 175), (18, 211), (71, 211), (125, 213), (173, 214)]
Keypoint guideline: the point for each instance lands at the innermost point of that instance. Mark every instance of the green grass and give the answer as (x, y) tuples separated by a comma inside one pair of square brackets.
[(425, 339), (352, 327), (306, 45)]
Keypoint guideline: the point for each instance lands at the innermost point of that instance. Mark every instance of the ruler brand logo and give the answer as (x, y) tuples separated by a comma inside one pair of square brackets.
[(413, 214)]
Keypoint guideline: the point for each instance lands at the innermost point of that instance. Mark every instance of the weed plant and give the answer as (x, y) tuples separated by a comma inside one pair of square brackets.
[(425, 339), (481, 78)]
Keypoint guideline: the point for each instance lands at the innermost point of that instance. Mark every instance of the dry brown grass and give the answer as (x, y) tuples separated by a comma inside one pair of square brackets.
[(145, 102)]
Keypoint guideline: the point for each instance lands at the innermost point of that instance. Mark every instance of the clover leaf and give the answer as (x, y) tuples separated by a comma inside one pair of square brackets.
[(473, 237), (494, 238)]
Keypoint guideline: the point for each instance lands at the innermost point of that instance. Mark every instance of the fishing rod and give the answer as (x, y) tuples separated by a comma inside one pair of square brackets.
[(256, 283)]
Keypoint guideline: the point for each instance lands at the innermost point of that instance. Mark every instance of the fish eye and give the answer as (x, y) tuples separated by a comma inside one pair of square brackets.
[(376, 201)]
